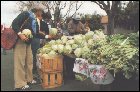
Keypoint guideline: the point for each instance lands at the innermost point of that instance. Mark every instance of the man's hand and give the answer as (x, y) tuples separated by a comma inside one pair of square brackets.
[(23, 37), (42, 33), (51, 36)]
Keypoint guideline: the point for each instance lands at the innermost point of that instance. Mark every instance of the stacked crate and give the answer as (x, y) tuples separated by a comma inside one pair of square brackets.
[(51, 71)]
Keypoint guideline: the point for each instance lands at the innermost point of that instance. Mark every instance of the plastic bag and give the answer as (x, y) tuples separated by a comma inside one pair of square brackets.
[(81, 66), (99, 75)]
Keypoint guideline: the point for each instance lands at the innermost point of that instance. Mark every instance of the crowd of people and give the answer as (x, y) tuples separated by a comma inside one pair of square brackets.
[(25, 50)]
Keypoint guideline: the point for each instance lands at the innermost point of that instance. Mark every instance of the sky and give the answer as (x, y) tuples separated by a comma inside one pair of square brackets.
[(9, 10)]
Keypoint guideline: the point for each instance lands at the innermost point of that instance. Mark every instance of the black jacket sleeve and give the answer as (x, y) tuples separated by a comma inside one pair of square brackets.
[(44, 27), (19, 20)]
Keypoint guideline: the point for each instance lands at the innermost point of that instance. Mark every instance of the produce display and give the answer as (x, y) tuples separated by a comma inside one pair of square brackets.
[(118, 53)]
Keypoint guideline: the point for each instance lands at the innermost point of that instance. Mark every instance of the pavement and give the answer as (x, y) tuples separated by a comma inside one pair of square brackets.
[(7, 79)]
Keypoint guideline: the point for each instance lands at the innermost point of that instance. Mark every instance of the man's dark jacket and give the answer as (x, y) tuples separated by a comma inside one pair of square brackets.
[(21, 18)]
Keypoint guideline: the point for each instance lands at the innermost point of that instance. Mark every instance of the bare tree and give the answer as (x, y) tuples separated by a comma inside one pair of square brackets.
[(55, 7), (110, 7), (25, 5)]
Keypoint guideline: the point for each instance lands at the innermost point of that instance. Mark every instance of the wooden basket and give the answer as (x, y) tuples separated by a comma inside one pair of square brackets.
[(51, 71), (52, 80), (52, 64)]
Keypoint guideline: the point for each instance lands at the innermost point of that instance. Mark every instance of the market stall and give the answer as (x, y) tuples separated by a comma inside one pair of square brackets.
[(97, 56)]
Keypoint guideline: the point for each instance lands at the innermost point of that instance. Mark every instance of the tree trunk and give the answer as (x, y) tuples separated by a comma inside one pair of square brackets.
[(110, 27)]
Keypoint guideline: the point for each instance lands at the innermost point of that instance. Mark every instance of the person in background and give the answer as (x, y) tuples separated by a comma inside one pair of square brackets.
[(43, 31), (75, 26), (59, 26), (45, 26), (23, 58), (86, 26)]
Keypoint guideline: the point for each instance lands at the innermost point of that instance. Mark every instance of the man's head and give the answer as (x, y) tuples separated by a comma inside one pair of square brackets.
[(76, 19), (38, 10)]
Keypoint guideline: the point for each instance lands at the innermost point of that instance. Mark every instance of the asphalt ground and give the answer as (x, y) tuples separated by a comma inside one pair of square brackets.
[(7, 78)]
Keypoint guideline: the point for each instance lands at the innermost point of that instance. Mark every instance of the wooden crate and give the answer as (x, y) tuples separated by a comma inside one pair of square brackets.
[(51, 71), (52, 80), (52, 63)]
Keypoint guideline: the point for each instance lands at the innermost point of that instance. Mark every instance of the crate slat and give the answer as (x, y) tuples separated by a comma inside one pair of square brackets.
[(51, 71)]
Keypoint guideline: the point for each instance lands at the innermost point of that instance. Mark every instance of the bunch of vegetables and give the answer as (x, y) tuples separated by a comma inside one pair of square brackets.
[(119, 53), (27, 33), (77, 44), (53, 31)]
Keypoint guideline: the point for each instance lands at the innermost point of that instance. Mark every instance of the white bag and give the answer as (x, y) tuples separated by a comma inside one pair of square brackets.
[(81, 66), (99, 75)]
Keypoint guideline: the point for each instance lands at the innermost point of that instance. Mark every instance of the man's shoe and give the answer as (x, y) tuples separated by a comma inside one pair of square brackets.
[(24, 88), (33, 82)]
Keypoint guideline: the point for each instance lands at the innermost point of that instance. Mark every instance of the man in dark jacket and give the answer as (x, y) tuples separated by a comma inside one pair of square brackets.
[(43, 30), (23, 59), (45, 26)]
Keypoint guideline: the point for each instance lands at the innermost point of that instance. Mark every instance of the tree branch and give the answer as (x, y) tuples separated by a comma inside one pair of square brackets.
[(102, 2), (108, 3), (103, 6), (62, 7), (114, 6), (70, 6), (99, 5), (77, 8)]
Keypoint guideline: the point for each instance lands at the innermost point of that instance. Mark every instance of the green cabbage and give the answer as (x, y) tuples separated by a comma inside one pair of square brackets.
[(45, 50), (27, 33), (85, 51), (52, 42), (64, 39), (98, 35), (90, 42), (58, 41), (74, 46), (70, 42), (45, 55), (78, 52), (89, 35), (78, 39), (60, 48), (54, 47), (53, 31), (67, 49), (52, 53)]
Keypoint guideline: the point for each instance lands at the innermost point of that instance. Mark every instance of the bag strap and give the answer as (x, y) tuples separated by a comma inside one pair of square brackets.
[(22, 23)]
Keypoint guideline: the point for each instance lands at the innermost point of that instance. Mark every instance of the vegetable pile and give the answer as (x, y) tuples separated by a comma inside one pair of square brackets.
[(119, 53)]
